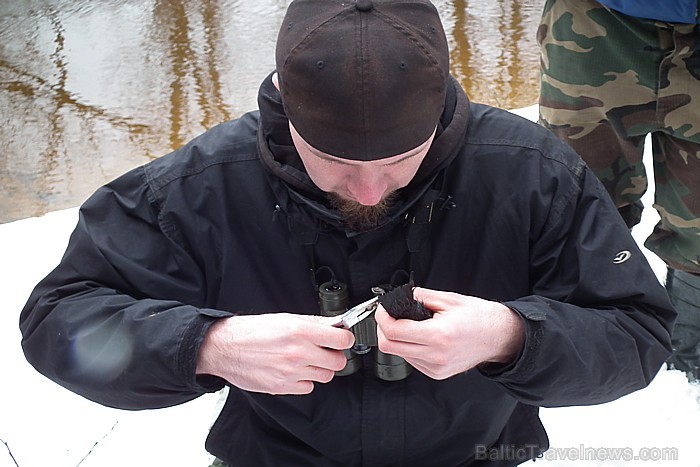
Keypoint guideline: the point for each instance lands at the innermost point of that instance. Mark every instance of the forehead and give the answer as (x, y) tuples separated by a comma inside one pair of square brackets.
[(309, 149)]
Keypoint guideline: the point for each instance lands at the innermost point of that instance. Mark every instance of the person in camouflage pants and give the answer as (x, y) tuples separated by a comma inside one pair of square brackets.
[(607, 81)]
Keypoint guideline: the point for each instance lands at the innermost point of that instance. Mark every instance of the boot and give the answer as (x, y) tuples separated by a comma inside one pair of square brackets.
[(684, 291)]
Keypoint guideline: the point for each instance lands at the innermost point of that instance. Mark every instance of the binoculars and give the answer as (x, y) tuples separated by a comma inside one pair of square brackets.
[(334, 301)]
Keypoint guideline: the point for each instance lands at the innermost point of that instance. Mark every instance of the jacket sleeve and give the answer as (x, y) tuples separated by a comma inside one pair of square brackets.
[(100, 324), (598, 320)]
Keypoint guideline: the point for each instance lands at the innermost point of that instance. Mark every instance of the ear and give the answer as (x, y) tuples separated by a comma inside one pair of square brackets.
[(276, 81)]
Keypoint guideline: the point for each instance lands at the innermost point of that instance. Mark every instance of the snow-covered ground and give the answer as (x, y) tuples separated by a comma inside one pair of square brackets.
[(46, 425), (42, 424)]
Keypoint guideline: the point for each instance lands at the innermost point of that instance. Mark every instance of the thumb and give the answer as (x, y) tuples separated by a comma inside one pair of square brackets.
[(320, 319), (435, 300)]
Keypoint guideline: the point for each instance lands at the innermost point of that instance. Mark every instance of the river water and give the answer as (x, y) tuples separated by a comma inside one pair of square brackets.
[(89, 90)]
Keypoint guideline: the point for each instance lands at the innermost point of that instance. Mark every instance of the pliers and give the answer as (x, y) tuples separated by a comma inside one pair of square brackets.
[(356, 314)]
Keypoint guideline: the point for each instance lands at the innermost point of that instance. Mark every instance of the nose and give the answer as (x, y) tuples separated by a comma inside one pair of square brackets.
[(367, 186)]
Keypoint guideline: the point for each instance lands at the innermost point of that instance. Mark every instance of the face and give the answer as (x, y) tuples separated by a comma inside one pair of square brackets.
[(365, 183), (361, 191)]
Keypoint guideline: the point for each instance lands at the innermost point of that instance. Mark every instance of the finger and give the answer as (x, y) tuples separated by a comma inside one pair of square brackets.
[(325, 335), (436, 300), (335, 338), (299, 388), (402, 330), (335, 361), (399, 347), (319, 375), (383, 318), (300, 379), (328, 359), (427, 370), (325, 320)]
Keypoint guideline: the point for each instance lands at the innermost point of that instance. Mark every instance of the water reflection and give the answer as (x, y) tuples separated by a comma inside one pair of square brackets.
[(494, 51), (89, 90)]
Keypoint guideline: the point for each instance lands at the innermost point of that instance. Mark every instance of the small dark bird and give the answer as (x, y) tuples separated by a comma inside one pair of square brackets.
[(400, 304)]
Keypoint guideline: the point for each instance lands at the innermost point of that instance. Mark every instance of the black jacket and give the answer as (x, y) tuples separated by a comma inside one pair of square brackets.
[(230, 224)]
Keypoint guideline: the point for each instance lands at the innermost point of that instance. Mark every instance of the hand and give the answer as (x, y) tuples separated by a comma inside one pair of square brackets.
[(464, 332), (277, 353)]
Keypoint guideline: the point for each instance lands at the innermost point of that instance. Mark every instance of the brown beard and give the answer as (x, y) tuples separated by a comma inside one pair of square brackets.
[(359, 217)]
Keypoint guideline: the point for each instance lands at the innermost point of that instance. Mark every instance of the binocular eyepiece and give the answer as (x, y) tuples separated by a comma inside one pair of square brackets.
[(334, 300)]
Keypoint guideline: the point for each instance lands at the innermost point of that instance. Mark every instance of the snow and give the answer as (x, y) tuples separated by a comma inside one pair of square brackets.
[(42, 424), (46, 425)]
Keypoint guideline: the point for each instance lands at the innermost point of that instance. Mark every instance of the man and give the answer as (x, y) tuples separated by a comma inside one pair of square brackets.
[(365, 168), (613, 72)]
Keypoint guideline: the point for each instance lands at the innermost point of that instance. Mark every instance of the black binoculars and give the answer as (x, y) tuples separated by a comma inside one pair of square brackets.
[(334, 301)]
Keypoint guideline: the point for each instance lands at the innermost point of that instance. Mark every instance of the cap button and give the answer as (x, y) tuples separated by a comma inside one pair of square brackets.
[(364, 5)]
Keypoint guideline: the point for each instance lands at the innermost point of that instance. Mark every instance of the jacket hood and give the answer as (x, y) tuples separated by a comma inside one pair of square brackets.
[(279, 156)]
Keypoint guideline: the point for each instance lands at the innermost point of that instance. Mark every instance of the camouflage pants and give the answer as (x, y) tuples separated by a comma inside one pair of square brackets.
[(607, 81)]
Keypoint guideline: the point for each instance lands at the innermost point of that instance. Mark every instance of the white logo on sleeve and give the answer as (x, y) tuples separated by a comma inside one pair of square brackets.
[(621, 257)]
